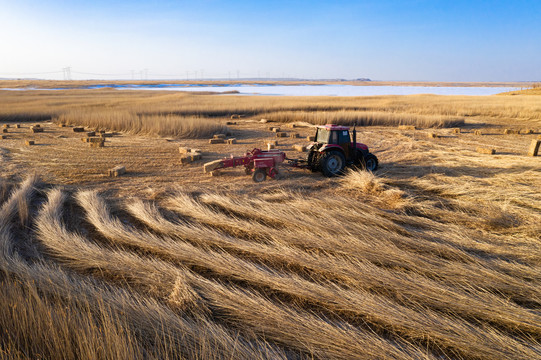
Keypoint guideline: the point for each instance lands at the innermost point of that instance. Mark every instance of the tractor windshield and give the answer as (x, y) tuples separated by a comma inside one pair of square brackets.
[(323, 136)]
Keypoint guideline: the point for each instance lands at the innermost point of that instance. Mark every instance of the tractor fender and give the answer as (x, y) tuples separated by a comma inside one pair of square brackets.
[(331, 147), (362, 147)]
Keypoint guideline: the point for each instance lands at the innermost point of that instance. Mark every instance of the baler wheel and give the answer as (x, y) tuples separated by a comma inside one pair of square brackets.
[(259, 175)]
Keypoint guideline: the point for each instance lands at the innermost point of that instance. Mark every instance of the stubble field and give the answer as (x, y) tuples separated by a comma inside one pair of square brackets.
[(436, 255)]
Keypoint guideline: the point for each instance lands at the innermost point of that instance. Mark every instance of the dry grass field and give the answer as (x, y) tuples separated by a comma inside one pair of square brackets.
[(434, 256)]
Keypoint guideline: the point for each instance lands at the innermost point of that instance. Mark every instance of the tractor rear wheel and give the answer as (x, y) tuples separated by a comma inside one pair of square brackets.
[(332, 163), (259, 175)]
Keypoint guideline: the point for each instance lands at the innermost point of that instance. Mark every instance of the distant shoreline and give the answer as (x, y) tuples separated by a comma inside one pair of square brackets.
[(72, 84)]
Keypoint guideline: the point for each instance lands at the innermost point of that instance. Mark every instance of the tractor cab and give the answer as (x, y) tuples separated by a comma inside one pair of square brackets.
[(335, 135), (335, 148)]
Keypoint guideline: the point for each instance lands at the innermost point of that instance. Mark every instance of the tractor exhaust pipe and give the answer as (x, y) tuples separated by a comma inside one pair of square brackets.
[(354, 145)]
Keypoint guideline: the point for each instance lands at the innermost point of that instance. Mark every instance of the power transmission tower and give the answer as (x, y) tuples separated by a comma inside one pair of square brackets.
[(67, 73)]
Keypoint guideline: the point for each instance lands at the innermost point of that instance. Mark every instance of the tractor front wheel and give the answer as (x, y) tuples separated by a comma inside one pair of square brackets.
[(259, 175), (370, 162), (332, 163)]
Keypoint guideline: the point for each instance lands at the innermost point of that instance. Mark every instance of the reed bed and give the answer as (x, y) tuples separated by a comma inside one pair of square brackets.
[(145, 111), (209, 275)]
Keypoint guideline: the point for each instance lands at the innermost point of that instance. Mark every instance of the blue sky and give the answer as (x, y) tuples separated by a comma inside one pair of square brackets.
[(435, 40)]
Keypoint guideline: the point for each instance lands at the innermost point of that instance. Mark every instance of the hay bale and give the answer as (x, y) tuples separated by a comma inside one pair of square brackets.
[(195, 156), (299, 148), (510, 132), (213, 165), (482, 150), (275, 129), (311, 138), (29, 142), (185, 160), (96, 139), (281, 134), (534, 148), (5, 130), (91, 133), (526, 131), (432, 135), (264, 121), (406, 127), (293, 135), (61, 125), (196, 151), (3, 137), (85, 140), (232, 141), (36, 125), (216, 141), (36, 129), (78, 129), (97, 144), (270, 146), (235, 116), (117, 171), (478, 132), (6, 126), (17, 126), (273, 142), (456, 131), (231, 123), (215, 173), (184, 150), (219, 136), (106, 134)]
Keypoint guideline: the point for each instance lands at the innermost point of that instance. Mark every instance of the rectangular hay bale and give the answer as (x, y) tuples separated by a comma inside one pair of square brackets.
[(275, 129), (482, 150), (509, 131), (232, 141), (477, 132), (195, 156), (299, 148), (456, 131), (29, 142), (17, 126), (406, 127), (36, 129), (432, 135), (117, 171), (526, 131), (270, 146), (3, 137), (534, 148), (96, 144), (216, 141), (311, 138), (78, 129), (281, 134), (219, 136), (91, 133), (6, 126), (293, 135), (184, 150)]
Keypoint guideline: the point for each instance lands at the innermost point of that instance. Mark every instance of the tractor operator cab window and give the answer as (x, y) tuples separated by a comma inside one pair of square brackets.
[(343, 137), (322, 136)]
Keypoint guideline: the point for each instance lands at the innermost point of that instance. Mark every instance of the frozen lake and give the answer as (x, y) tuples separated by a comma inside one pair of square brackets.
[(326, 90), (309, 90)]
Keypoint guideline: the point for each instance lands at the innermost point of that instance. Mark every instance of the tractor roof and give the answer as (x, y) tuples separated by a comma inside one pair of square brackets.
[(333, 127)]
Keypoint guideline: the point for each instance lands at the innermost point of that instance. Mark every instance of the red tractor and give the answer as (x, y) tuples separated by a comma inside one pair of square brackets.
[(334, 149)]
